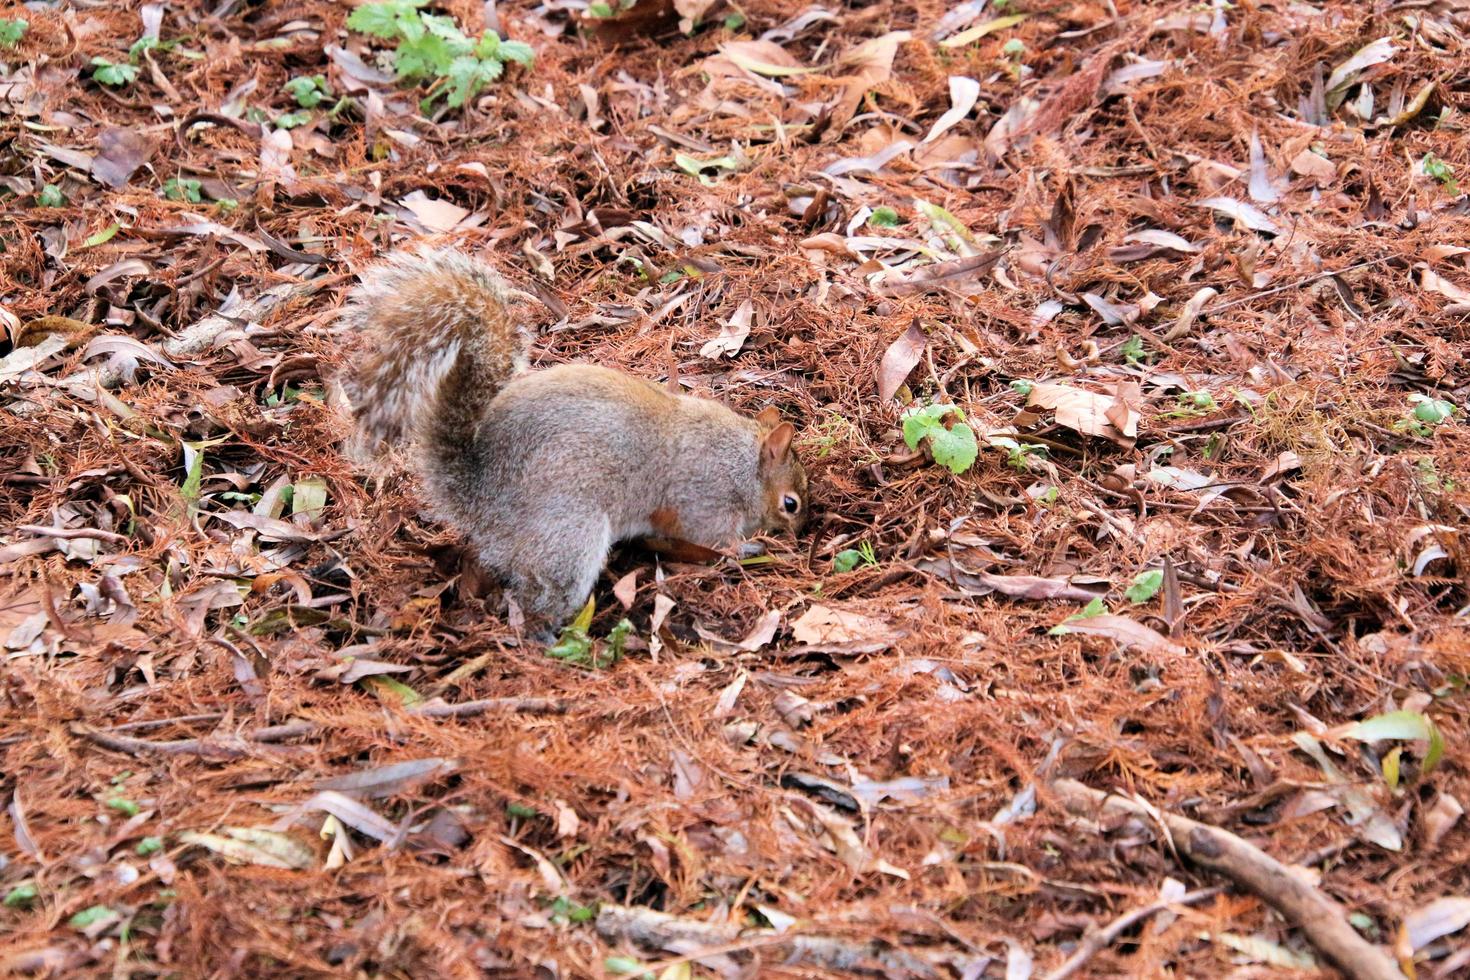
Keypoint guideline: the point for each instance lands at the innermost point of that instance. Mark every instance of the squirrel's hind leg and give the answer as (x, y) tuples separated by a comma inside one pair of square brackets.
[(551, 575)]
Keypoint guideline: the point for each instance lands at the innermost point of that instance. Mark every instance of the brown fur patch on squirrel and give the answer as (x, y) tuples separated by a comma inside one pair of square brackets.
[(543, 471)]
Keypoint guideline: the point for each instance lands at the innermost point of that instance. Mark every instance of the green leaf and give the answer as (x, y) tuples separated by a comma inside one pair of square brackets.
[(383, 19), (389, 689), (1133, 350), (307, 90), (1022, 387), (148, 845), (695, 167), (884, 217), (1393, 724), (101, 237), (1391, 767), (108, 73), (1432, 410), (427, 56), (90, 916), (309, 496), (622, 965), (1405, 726), (291, 120), (954, 447), (846, 561), (980, 30), (518, 51), (21, 895), (183, 189), (599, 9), (124, 806), (1145, 586), (139, 46), (50, 196), (11, 31), (520, 811), (735, 21)]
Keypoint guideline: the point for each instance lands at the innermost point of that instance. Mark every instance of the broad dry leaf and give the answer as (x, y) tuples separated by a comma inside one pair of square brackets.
[(1247, 215), (732, 334), (901, 357), (254, 845), (1084, 411), (120, 152), (1128, 632), (1314, 165), (867, 65), (1441, 917), (434, 214), (963, 94), (763, 58), (824, 624)]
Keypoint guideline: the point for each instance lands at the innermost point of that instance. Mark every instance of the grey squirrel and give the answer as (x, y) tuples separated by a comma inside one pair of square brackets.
[(542, 471)]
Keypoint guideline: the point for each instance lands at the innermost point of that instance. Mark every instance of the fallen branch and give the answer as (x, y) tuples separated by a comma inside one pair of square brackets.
[(1320, 918), (695, 939), (248, 743)]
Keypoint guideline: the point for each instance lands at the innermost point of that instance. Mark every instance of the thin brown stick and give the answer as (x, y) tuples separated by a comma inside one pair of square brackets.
[(73, 532), (1095, 942), (1322, 920)]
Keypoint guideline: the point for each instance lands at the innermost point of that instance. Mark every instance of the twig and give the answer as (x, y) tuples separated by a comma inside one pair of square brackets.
[(1320, 918), (1211, 310), (73, 532), (523, 706), (1100, 940)]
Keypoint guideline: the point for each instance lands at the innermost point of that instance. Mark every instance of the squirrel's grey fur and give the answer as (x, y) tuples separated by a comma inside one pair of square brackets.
[(544, 471)]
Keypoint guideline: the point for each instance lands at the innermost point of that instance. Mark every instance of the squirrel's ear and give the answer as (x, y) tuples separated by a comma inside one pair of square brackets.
[(768, 417), (777, 442)]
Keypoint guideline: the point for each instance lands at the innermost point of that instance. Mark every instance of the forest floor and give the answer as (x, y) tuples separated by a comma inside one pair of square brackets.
[(1195, 274)]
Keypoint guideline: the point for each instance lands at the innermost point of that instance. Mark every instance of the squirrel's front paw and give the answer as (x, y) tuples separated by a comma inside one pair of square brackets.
[(751, 549)]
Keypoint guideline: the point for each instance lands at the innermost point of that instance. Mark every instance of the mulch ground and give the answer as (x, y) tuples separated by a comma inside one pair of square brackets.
[(1196, 274)]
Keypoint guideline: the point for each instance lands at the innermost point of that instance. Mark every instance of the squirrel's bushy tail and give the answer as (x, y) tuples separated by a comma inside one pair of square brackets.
[(438, 336)]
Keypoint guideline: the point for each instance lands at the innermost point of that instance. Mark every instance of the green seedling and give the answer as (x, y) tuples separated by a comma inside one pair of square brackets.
[(115, 75), (847, 560), (12, 30), (953, 446)]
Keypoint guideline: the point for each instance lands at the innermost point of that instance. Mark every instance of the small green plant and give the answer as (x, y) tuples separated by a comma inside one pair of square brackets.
[(695, 167), (1022, 387), (308, 90), (1013, 50), (11, 31), (109, 73), (21, 896), (847, 560), (50, 196), (1427, 414), (139, 46), (183, 189), (884, 217), (600, 10), (1430, 478), (564, 911), (1437, 169), (290, 120), (148, 845), (1145, 586), (953, 446), (735, 21), (1191, 404), (90, 916), (1093, 608), (124, 806), (576, 646), (1134, 352), (1019, 454), (432, 48)]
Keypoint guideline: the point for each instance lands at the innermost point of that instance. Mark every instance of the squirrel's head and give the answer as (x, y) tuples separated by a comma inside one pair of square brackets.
[(782, 479)]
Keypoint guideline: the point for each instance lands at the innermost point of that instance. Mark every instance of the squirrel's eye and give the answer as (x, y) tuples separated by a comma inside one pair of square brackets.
[(790, 504)]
